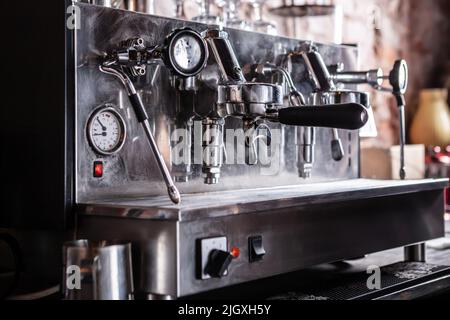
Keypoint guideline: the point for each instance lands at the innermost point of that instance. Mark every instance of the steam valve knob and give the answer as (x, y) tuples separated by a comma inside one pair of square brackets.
[(218, 263)]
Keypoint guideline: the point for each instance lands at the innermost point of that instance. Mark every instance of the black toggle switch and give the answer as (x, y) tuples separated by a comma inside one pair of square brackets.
[(256, 250), (218, 263)]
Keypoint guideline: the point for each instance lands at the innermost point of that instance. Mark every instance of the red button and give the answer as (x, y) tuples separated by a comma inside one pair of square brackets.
[(98, 169), (235, 252)]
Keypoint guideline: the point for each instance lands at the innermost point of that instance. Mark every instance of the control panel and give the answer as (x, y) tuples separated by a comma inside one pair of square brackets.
[(214, 257)]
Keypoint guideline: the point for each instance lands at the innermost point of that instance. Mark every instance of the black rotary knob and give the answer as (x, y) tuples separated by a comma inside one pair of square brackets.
[(218, 263)]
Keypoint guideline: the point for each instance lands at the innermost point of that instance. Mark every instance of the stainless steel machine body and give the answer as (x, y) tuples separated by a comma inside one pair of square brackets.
[(275, 218), (330, 216), (300, 226), (132, 172)]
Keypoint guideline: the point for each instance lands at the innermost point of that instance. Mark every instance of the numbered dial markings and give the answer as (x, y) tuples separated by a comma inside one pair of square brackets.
[(106, 131)]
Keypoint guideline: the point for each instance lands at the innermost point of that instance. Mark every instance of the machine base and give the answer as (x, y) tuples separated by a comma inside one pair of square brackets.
[(328, 222)]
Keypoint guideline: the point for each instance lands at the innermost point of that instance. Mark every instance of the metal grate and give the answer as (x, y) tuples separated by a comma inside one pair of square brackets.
[(392, 276)]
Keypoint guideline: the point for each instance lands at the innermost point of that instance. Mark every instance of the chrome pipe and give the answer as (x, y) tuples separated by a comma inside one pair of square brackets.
[(374, 77), (136, 102)]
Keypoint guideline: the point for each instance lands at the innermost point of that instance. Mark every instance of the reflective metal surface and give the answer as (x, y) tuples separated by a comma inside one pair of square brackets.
[(225, 203), (249, 100), (113, 273), (297, 231), (415, 253), (305, 214), (371, 77), (105, 270), (132, 172), (341, 96), (142, 117), (53, 196), (78, 255)]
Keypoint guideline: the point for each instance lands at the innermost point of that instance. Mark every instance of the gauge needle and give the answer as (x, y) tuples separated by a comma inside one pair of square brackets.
[(103, 127), (100, 134)]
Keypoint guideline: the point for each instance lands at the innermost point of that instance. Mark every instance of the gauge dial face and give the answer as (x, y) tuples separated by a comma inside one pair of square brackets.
[(187, 52), (106, 131)]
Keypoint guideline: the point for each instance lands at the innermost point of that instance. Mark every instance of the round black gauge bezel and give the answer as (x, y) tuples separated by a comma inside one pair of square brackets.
[(394, 78), (169, 53), (109, 108)]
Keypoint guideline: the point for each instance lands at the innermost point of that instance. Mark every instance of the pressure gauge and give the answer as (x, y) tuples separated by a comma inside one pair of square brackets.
[(185, 52), (106, 130), (398, 77)]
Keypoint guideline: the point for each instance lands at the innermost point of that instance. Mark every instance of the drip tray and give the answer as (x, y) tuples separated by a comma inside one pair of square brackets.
[(404, 280)]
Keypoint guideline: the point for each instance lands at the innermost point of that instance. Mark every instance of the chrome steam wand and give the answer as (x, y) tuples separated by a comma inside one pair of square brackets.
[(142, 118), (398, 80)]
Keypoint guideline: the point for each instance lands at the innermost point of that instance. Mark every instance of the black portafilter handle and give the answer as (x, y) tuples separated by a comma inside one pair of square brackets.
[(347, 116)]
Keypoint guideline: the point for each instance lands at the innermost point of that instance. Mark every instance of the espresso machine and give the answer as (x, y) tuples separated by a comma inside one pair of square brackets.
[(223, 156)]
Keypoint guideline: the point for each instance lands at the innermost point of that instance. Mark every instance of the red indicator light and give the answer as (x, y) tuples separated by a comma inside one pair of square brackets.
[(235, 252), (98, 169)]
